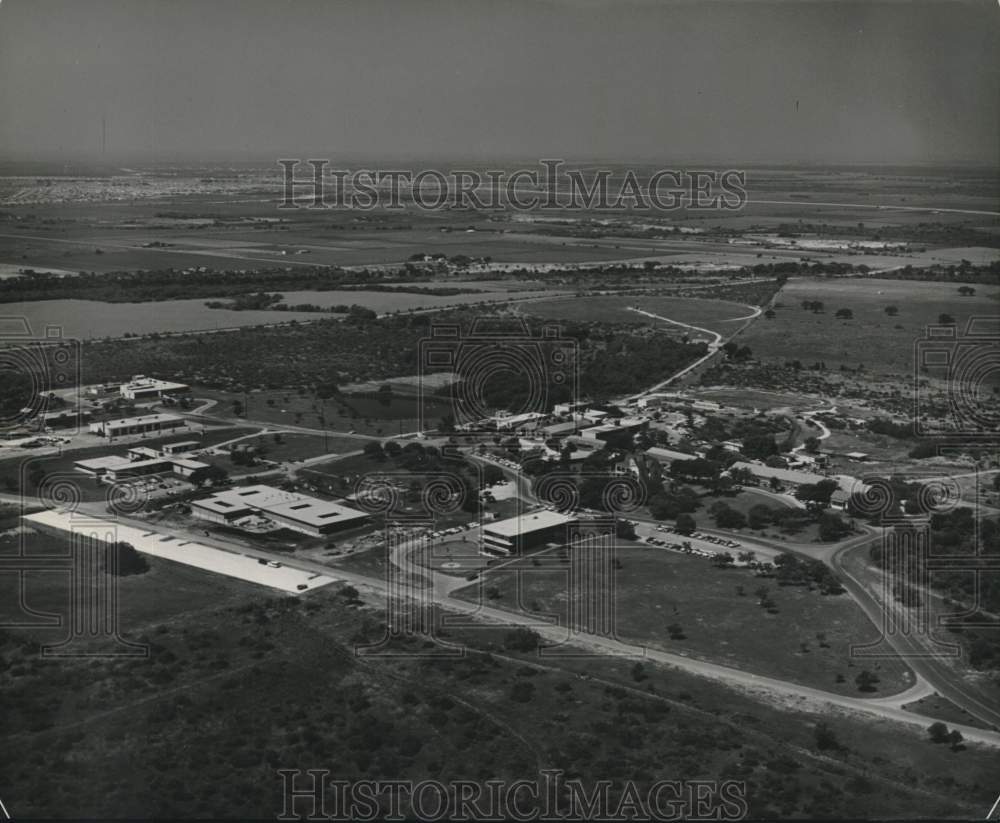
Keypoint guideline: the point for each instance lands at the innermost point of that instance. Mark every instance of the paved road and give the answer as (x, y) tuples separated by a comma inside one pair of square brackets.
[(805, 698), (442, 587), (917, 649), (713, 347)]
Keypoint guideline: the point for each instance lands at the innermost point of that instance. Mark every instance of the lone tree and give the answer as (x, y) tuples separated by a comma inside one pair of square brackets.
[(844, 314), (892, 311), (209, 474), (966, 291), (825, 737), (938, 732), (866, 681), (946, 320), (685, 523), (128, 561)]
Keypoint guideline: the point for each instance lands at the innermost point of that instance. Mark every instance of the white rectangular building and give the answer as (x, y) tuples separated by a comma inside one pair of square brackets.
[(141, 387), (299, 512), (144, 424)]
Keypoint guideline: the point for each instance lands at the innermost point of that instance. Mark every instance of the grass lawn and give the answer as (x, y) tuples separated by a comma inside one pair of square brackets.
[(655, 589), (295, 446), (166, 591), (870, 337), (361, 413), (743, 501)]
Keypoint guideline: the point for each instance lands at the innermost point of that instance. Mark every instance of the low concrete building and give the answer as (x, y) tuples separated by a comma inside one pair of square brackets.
[(184, 467), (181, 447), (514, 422), (299, 512), (145, 424), (560, 429), (141, 387), (99, 466), (668, 456), (139, 468), (787, 477), (616, 430)]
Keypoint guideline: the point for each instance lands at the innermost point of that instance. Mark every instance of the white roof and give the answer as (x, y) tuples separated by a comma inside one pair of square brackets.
[(669, 454), (188, 464), (152, 461), (201, 556), (111, 461), (788, 475), (141, 420), (309, 510), (140, 382), (526, 523)]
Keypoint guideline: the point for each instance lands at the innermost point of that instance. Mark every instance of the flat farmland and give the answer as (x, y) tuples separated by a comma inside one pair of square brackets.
[(716, 315), (655, 589), (388, 302), (103, 249), (88, 319), (882, 343)]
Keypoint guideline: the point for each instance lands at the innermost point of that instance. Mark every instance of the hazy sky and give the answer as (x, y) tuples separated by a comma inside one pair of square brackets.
[(728, 81)]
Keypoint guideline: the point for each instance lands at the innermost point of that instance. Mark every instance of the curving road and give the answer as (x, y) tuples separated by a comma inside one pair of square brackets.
[(713, 346)]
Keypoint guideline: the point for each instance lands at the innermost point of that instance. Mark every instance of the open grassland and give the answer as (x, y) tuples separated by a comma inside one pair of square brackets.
[(717, 315), (655, 589), (883, 344), (368, 414), (295, 447)]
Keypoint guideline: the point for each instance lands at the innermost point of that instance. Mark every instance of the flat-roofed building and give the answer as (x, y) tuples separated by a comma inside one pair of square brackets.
[(525, 531), (616, 430), (560, 429), (113, 467), (668, 456), (103, 389), (144, 424), (787, 477), (299, 512), (513, 422), (184, 467), (139, 468), (142, 453), (181, 447), (99, 466), (62, 418), (141, 387)]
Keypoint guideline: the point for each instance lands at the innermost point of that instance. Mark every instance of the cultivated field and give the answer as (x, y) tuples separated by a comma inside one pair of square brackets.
[(87, 319)]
